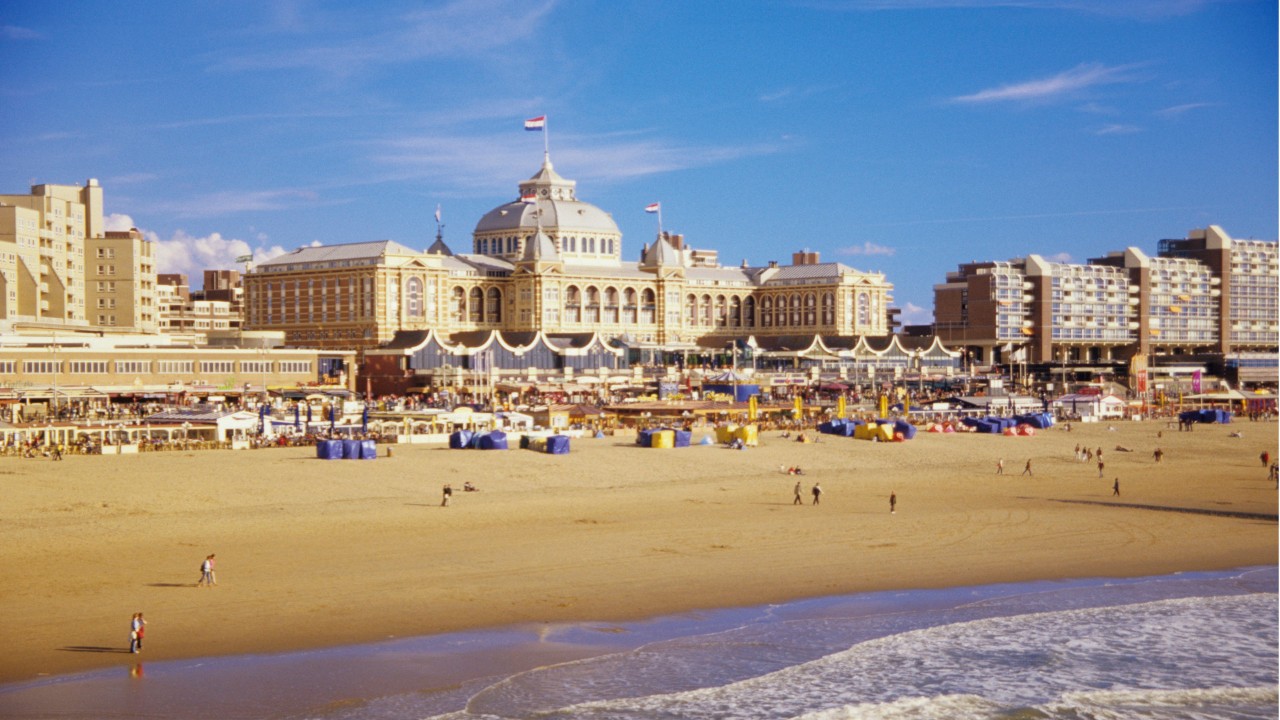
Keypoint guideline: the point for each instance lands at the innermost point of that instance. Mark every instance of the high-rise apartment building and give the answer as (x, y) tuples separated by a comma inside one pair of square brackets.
[(1207, 293), (59, 267)]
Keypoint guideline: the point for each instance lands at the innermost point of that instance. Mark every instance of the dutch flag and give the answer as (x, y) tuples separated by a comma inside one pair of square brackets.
[(653, 207), (536, 124)]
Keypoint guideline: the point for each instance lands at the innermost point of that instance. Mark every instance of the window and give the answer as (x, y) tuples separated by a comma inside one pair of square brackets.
[(175, 367), (88, 367), (295, 366), (40, 367), (133, 367), (258, 367), (221, 367)]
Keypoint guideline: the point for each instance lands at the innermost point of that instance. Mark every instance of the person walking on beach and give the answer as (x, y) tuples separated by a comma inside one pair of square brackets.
[(206, 572), (1100, 466), (1027, 470), (1266, 458), (448, 494), (893, 502), (799, 499), (1000, 466), (817, 493), (1115, 489), (1158, 455), (136, 630)]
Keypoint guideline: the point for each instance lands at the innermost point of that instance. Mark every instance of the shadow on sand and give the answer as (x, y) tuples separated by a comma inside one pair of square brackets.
[(94, 649)]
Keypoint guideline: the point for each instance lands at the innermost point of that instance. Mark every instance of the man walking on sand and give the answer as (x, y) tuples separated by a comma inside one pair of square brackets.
[(1000, 466), (1115, 489), (817, 493), (799, 499), (1027, 470), (893, 502)]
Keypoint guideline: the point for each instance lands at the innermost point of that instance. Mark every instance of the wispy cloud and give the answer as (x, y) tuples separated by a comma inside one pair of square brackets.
[(13, 32), (794, 93), (463, 28), (131, 179), (1030, 216), (1061, 257), (913, 314), (1181, 109), (1063, 84), (485, 162), (866, 248), (227, 202), (1136, 9), (1117, 129)]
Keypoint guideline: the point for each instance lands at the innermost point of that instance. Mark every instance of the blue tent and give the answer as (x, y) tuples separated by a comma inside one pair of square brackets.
[(460, 439), (740, 393), (558, 445), (644, 438), (329, 449), (368, 450), (907, 430), (495, 440), (684, 438), (351, 449)]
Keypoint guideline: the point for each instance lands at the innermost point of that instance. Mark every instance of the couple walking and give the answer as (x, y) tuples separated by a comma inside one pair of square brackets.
[(207, 578)]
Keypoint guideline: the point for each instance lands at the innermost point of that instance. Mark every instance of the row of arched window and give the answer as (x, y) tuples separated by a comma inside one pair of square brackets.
[(609, 305)]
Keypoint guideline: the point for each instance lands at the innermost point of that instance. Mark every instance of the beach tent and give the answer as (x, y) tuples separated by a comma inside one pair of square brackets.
[(558, 445), (460, 439), (724, 433), (684, 438), (351, 449), (663, 439), (494, 440), (368, 450), (329, 449), (905, 429), (644, 438)]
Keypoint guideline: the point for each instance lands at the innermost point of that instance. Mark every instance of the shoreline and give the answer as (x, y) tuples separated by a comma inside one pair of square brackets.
[(437, 675), (318, 554)]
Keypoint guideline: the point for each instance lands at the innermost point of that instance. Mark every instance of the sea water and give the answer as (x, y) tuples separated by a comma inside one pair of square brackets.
[(1180, 647)]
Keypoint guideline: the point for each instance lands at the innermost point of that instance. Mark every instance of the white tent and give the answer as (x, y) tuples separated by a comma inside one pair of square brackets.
[(1102, 407)]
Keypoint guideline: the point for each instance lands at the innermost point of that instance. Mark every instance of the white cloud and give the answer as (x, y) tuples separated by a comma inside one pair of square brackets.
[(118, 222), (1138, 9), (913, 314), (189, 255), (1064, 83), (233, 201), (866, 248), (1061, 257)]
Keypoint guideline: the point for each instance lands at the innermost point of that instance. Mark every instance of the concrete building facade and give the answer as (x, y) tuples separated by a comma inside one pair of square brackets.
[(1207, 293)]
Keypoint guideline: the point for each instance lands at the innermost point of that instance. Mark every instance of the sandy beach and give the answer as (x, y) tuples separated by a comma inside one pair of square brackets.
[(316, 553)]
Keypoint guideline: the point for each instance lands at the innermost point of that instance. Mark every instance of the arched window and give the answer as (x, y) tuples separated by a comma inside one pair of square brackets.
[(749, 312), (413, 297), (864, 311), (766, 311), (810, 309), (593, 304), (706, 311), (691, 310), (648, 306), (457, 305), (572, 304), (828, 309), (629, 306), (611, 305), (493, 306), (477, 305), (735, 311), (795, 310)]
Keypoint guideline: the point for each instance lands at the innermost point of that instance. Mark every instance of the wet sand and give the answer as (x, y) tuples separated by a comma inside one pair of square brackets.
[(316, 553)]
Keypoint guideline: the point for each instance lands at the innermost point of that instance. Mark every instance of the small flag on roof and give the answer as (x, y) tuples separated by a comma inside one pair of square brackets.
[(530, 198), (653, 207), (537, 123)]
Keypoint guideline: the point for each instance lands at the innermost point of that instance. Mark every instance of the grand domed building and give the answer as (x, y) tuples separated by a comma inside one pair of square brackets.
[(551, 266)]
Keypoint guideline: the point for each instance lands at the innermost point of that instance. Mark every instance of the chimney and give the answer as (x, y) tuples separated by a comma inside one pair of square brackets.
[(773, 263), (804, 257)]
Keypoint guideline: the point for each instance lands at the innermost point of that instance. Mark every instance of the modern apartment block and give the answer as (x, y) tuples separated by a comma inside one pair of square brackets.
[(60, 268), (120, 284), (548, 262), (190, 314), (1207, 293)]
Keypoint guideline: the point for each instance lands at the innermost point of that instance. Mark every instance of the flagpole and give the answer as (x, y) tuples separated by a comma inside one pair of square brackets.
[(659, 221), (546, 140)]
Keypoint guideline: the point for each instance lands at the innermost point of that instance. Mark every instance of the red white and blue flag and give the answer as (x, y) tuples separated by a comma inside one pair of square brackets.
[(653, 207), (537, 123)]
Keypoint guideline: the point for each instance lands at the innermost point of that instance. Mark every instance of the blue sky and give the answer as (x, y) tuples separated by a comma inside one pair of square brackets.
[(904, 137)]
